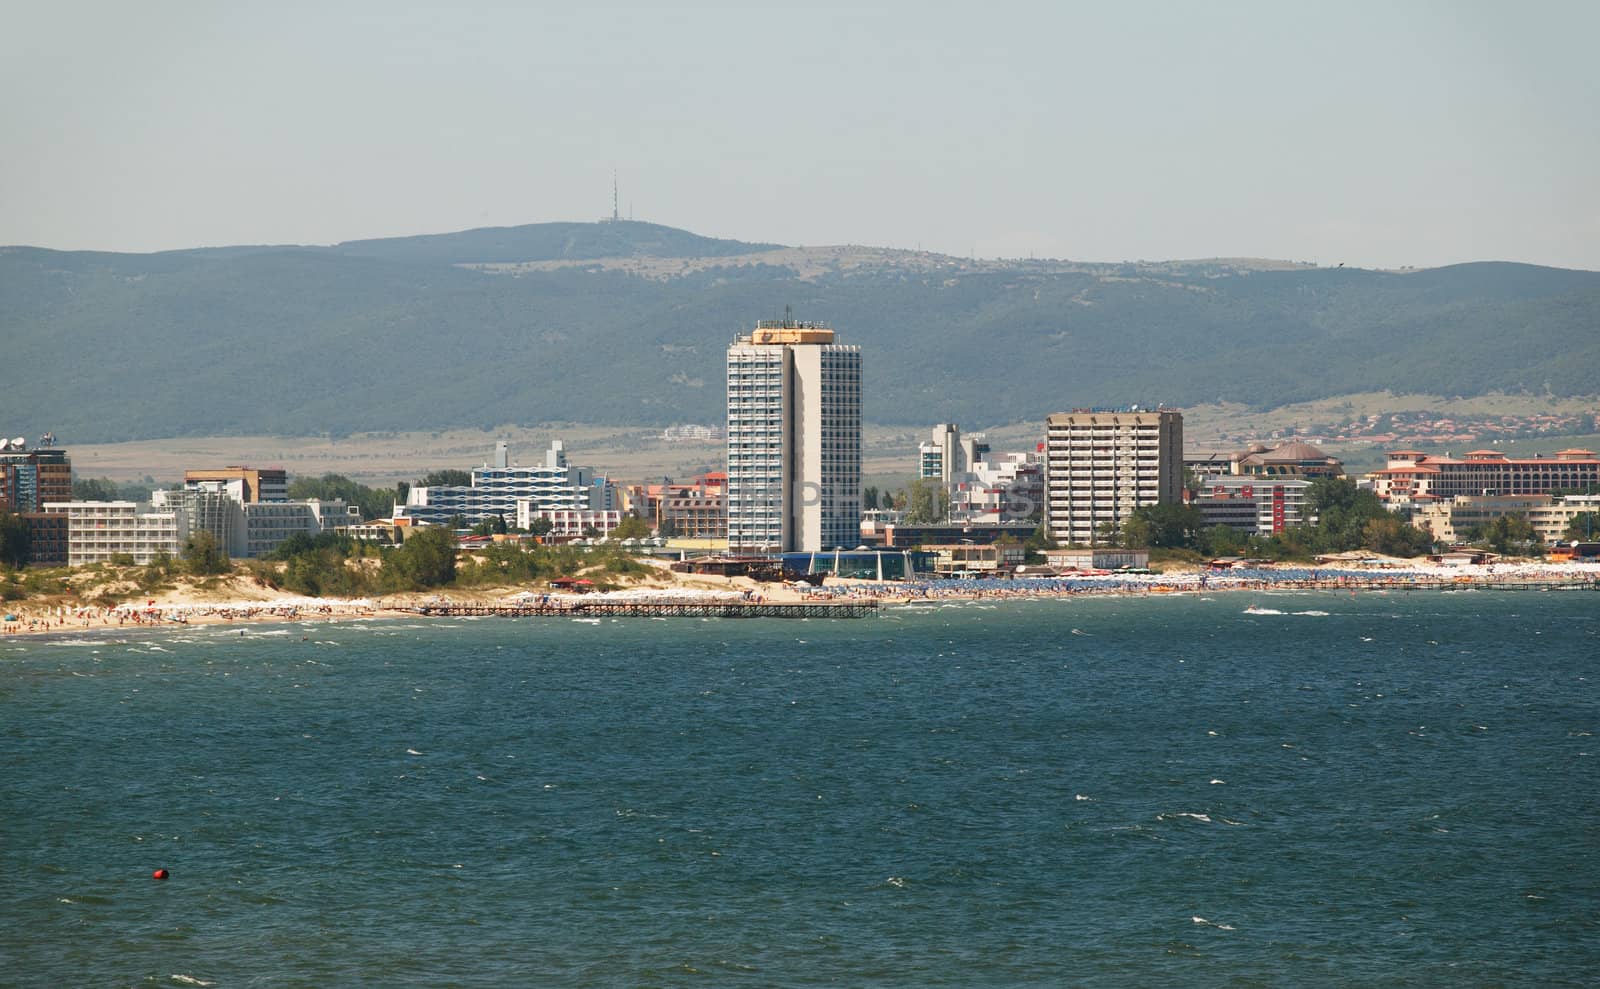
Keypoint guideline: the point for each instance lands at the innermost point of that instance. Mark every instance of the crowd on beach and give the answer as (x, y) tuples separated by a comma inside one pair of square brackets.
[(1237, 578), (62, 617), (1263, 578)]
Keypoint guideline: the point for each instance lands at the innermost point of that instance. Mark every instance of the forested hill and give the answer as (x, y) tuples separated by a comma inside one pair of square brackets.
[(628, 323)]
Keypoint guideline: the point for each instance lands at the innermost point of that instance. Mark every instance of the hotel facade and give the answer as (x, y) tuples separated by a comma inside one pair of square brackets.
[(1102, 464), (794, 440)]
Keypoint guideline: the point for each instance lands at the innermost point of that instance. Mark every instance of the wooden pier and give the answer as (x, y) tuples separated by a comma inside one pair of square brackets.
[(652, 609)]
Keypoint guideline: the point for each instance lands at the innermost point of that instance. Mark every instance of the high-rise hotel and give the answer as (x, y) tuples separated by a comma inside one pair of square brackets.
[(1101, 464), (794, 440)]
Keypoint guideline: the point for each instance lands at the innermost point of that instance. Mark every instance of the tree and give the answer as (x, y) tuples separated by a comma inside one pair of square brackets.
[(1508, 535), (1222, 540), (426, 559), (541, 527), (1582, 528), (869, 498), (1171, 526), (15, 539), (94, 489), (1342, 511), (631, 527), (1108, 533), (445, 478), (927, 502), (1393, 537), (203, 555), (374, 503)]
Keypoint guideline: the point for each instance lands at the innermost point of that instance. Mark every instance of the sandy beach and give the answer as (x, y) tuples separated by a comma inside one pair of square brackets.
[(242, 605)]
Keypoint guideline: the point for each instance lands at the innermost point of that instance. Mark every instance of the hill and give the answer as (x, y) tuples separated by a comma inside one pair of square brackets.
[(627, 323)]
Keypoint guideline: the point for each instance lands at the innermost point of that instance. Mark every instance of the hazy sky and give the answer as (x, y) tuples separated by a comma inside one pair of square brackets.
[(1377, 134)]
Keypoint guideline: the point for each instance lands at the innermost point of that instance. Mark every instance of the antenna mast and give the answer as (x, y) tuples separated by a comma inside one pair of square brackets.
[(614, 216)]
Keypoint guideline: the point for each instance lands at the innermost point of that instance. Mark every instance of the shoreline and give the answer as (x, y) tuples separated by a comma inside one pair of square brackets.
[(60, 621)]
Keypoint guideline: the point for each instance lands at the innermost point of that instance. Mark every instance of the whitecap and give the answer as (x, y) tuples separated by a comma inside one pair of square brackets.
[(189, 980), (412, 752), (1314, 614), (1217, 782)]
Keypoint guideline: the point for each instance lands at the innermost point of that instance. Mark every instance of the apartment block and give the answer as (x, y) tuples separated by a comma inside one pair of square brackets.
[(1102, 464)]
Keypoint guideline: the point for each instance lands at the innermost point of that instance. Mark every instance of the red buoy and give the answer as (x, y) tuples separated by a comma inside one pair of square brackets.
[(159, 874)]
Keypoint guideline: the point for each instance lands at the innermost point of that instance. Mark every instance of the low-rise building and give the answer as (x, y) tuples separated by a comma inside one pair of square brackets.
[(966, 558), (1099, 558), (566, 522), (1261, 506), (1454, 519)]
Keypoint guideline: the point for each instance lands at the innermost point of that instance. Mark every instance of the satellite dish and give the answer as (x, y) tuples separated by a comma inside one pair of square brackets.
[(20, 442)]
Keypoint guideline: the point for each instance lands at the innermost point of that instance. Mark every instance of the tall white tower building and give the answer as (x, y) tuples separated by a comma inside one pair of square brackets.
[(794, 440)]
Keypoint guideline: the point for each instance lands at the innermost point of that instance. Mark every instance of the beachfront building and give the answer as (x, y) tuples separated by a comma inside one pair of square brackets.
[(1412, 477), (1102, 558), (794, 439), (1102, 464), (31, 479), (1255, 505), (97, 531), (566, 523), (495, 489), (948, 456), (245, 485), (697, 509), (964, 559), (244, 528), (1451, 520), (1006, 488)]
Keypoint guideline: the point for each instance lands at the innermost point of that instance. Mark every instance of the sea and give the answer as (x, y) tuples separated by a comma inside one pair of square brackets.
[(1242, 789)]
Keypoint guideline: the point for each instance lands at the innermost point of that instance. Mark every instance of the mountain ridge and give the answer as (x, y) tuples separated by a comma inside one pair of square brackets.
[(620, 321)]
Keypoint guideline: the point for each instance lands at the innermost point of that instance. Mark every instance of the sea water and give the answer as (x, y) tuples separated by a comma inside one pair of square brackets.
[(1384, 789)]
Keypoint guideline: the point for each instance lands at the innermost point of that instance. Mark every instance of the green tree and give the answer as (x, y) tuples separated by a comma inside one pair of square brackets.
[(1392, 536), (1169, 526), (927, 502), (1508, 535), (631, 527), (375, 503), (1222, 540), (203, 555), (94, 489), (445, 478), (426, 559), (1342, 511), (15, 539), (869, 498), (1582, 528), (541, 527)]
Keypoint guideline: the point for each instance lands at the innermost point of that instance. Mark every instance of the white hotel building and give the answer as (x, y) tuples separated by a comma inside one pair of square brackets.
[(794, 440), (1101, 464)]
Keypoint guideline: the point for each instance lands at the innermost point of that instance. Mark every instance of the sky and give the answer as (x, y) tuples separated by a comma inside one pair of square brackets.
[(1371, 134)]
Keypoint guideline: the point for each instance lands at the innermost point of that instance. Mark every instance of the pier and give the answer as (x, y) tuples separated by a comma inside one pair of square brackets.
[(652, 609)]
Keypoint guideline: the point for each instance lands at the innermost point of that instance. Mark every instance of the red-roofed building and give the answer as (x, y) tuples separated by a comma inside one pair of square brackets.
[(1412, 476)]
